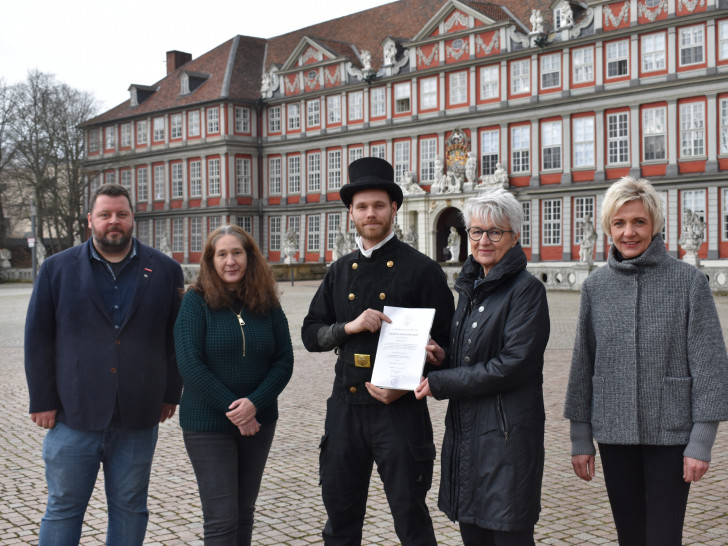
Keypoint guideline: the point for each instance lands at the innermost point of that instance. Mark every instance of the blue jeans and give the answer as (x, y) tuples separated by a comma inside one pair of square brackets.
[(72, 459), (229, 468)]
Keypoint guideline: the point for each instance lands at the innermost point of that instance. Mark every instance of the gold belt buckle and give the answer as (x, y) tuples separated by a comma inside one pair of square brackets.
[(362, 361)]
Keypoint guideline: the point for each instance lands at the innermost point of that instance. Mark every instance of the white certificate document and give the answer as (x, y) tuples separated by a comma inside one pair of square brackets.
[(401, 351)]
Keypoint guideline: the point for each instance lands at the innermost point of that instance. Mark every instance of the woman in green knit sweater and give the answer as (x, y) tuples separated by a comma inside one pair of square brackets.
[(235, 355)]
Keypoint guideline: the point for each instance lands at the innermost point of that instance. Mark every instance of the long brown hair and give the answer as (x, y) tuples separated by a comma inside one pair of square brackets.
[(257, 290)]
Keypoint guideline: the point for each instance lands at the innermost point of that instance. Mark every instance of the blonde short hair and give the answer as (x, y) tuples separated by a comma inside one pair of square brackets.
[(628, 189)]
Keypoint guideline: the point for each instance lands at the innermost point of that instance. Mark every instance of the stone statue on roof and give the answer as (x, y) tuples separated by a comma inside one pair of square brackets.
[(536, 22), (366, 59), (390, 53)]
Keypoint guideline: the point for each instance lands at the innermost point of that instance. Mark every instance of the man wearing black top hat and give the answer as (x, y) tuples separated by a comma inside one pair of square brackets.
[(364, 423)]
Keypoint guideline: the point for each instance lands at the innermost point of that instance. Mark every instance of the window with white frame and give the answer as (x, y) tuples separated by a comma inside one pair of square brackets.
[(313, 232), (692, 129), (618, 138), (333, 221), (294, 116), (313, 113), (428, 154), (356, 106), (520, 77), (275, 233), (691, 45), (694, 200), (428, 93), (551, 222), (294, 224), (93, 141), (178, 235), (109, 138), (294, 174), (196, 178), (333, 177), (158, 173), (378, 150), (213, 120), (274, 175), (618, 59), (158, 129), (654, 133), (583, 207), (724, 126), (558, 18), (177, 182), (458, 87), (333, 109), (401, 159), (355, 153), (582, 60), (195, 234), (489, 82), (110, 177), (142, 184), (724, 202), (274, 119), (160, 232), (214, 222), (245, 222), (313, 161), (723, 40), (126, 135), (402, 97), (521, 149), (242, 176), (143, 231), (653, 52), (526, 225), (377, 96), (193, 123), (242, 119), (489, 150), (141, 132), (175, 126), (213, 176), (583, 142), (95, 182), (126, 179), (551, 71), (551, 145)]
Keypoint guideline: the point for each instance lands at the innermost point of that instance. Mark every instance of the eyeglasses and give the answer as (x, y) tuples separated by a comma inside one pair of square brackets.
[(494, 234)]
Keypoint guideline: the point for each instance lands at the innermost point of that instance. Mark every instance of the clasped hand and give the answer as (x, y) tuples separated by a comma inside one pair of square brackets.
[(242, 415)]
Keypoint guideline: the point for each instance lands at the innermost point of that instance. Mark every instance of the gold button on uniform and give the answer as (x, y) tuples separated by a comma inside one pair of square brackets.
[(354, 265), (352, 390), (351, 296), (390, 263), (113, 370), (382, 296)]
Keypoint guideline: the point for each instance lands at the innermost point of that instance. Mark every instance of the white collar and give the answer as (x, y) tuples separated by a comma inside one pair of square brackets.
[(380, 244)]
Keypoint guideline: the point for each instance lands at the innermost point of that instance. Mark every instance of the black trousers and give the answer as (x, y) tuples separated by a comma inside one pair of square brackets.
[(398, 437), (647, 493), (473, 535), (229, 468)]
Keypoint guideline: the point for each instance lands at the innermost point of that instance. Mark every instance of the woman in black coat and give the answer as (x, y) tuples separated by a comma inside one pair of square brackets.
[(493, 449)]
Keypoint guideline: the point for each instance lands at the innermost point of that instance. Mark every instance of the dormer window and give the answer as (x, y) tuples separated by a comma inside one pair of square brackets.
[(190, 81), (557, 18), (139, 93)]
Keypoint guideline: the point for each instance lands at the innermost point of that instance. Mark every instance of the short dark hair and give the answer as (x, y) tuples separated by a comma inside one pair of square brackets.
[(112, 190)]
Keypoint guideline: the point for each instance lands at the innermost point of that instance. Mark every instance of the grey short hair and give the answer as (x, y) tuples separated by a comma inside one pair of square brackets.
[(499, 206), (628, 189)]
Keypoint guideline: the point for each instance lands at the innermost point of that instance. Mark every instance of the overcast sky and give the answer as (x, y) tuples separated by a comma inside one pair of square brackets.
[(103, 46)]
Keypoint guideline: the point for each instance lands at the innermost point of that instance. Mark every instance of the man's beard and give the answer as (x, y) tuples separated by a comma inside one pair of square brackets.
[(112, 246)]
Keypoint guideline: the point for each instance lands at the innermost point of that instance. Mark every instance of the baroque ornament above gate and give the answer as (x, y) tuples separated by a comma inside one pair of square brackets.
[(456, 151)]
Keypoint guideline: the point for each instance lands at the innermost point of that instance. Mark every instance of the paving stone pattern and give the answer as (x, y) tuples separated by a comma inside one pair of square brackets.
[(289, 508)]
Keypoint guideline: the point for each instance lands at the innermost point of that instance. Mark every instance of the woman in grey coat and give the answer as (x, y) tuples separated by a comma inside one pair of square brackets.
[(649, 373), (493, 449)]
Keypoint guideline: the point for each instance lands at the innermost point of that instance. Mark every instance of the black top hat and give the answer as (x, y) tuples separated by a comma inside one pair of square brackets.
[(370, 173)]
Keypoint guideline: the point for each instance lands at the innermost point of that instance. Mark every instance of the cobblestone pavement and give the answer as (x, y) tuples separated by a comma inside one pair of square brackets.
[(289, 508)]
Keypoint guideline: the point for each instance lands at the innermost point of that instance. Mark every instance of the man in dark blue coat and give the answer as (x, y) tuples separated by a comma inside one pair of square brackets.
[(101, 371), (365, 423)]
